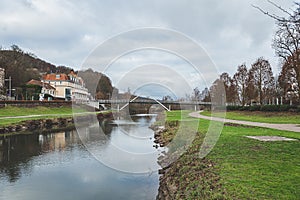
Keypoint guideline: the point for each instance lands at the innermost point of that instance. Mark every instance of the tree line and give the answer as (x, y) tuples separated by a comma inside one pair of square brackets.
[(258, 83)]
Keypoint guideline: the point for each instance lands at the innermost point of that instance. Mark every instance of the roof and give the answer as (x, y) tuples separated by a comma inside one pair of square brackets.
[(39, 83), (56, 77)]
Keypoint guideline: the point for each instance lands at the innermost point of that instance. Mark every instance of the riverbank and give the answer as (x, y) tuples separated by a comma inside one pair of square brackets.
[(237, 167), (189, 176), (20, 120), (38, 125)]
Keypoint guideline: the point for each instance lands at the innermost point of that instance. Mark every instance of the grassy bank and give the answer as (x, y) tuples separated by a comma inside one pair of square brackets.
[(12, 114), (258, 116), (237, 167), (23, 111)]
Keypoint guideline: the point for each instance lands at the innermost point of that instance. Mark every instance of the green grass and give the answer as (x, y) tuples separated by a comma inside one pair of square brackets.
[(262, 170), (247, 168), (48, 113), (7, 122), (21, 111), (266, 117)]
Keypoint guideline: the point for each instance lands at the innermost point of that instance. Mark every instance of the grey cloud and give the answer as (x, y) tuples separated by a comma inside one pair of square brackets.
[(65, 32)]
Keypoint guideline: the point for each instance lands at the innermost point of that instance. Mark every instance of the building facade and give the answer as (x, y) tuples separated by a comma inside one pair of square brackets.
[(68, 87)]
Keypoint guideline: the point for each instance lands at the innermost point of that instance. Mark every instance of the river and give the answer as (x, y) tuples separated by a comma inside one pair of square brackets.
[(59, 166)]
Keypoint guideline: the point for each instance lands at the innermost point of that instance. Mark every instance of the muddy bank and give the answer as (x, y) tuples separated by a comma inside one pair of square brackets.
[(189, 176)]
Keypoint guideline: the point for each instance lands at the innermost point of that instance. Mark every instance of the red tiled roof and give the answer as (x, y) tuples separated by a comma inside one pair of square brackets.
[(55, 77), (39, 83)]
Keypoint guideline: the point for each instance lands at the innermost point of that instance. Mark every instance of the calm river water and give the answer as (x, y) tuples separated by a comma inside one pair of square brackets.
[(59, 166)]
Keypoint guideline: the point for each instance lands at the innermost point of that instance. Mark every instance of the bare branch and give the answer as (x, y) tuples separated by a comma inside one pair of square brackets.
[(280, 8), (277, 18)]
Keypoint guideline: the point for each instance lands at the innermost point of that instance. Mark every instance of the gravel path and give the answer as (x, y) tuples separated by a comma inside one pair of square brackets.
[(284, 127)]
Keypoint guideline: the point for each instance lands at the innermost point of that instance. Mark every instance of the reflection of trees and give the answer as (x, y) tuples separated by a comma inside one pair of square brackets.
[(106, 126), (17, 151)]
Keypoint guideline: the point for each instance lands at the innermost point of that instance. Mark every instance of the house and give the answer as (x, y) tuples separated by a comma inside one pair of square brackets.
[(47, 90), (67, 87)]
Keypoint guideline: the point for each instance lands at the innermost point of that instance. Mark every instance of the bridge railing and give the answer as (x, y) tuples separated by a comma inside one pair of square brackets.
[(115, 101)]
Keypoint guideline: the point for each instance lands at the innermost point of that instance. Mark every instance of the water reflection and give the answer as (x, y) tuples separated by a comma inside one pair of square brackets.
[(16, 151), (57, 165), (129, 148)]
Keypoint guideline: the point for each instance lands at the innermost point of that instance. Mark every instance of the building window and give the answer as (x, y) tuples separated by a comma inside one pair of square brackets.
[(57, 76)]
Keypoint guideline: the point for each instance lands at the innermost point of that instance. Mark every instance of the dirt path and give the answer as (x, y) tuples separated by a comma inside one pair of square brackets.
[(284, 127)]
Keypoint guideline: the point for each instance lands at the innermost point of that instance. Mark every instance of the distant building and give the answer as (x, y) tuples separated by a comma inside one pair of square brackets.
[(67, 87), (47, 89)]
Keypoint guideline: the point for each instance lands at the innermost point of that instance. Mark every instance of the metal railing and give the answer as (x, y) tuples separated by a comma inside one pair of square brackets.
[(119, 101)]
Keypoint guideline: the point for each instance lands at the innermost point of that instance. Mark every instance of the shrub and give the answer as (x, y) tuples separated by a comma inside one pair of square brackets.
[(266, 108), (254, 108)]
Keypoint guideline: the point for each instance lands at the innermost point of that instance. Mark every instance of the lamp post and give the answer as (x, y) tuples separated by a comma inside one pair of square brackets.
[(9, 86)]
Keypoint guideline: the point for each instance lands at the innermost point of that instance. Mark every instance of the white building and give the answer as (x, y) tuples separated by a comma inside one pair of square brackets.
[(67, 87)]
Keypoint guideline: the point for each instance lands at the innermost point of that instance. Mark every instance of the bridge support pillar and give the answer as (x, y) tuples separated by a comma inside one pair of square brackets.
[(118, 107), (170, 107), (195, 107)]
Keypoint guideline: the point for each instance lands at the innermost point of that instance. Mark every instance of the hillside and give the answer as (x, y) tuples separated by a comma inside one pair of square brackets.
[(22, 67)]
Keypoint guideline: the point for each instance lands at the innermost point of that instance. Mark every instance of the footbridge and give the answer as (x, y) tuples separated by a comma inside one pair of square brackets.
[(120, 104)]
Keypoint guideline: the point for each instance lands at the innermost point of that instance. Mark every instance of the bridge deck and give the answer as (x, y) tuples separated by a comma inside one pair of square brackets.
[(120, 101)]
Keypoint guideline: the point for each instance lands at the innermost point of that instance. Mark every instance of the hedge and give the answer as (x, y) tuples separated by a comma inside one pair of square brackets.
[(266, 108)]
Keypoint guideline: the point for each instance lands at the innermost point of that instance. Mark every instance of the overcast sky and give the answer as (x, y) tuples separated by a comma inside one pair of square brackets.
[(66, 32)]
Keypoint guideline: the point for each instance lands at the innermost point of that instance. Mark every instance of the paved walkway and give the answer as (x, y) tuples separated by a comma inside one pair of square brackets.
[(32, 116), (284, 127)]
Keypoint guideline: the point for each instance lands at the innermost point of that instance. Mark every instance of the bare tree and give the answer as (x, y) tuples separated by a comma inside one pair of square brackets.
[(204, 94), (241, 79), (286, 41), (262, 77), (196, 96), (251, 92), (225, 78), (230, 88), (167, 98)]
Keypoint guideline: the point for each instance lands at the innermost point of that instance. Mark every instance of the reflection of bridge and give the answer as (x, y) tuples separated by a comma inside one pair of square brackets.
[(165, 104)]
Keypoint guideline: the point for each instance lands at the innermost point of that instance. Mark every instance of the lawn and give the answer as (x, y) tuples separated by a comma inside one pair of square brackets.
[(247, 168), (257, 116), (21, 111)]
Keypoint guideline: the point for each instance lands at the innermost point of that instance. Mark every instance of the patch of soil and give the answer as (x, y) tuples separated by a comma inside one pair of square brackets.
[(237, 125), (271, 138)]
